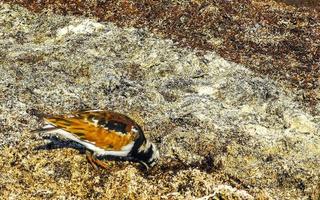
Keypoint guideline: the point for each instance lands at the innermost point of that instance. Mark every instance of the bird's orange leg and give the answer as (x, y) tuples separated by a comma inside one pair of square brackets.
[(90, 160), (101, 163), (95, 162)]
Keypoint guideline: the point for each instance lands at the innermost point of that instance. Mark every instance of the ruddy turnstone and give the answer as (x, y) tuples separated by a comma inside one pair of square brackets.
[(104, 133)]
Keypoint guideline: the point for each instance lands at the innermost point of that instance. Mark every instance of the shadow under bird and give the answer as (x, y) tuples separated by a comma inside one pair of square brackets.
[(104, 133)]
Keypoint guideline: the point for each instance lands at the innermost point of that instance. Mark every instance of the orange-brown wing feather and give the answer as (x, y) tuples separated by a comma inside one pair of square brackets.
[(86, 129)]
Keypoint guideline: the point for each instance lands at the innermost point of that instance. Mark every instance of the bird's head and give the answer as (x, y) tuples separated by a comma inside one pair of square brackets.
[(148, 154)]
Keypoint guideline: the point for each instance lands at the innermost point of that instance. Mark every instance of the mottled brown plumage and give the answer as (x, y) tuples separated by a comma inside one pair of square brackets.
[(105, 133), (83, 126)]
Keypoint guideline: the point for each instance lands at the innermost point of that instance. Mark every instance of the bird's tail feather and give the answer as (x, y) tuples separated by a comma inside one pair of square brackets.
[(45, 129)]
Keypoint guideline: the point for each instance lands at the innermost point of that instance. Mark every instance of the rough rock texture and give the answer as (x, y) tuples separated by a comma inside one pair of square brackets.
[(270, 38), (223, 131)]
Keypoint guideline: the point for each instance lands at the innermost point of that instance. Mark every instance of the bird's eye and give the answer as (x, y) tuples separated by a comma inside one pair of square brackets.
[(134, 129)]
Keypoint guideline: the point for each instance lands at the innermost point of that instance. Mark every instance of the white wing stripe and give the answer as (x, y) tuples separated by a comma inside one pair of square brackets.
[(97, 150)]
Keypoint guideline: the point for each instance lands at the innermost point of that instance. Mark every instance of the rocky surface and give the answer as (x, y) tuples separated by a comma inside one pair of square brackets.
[(271, 38), (223, 131)]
